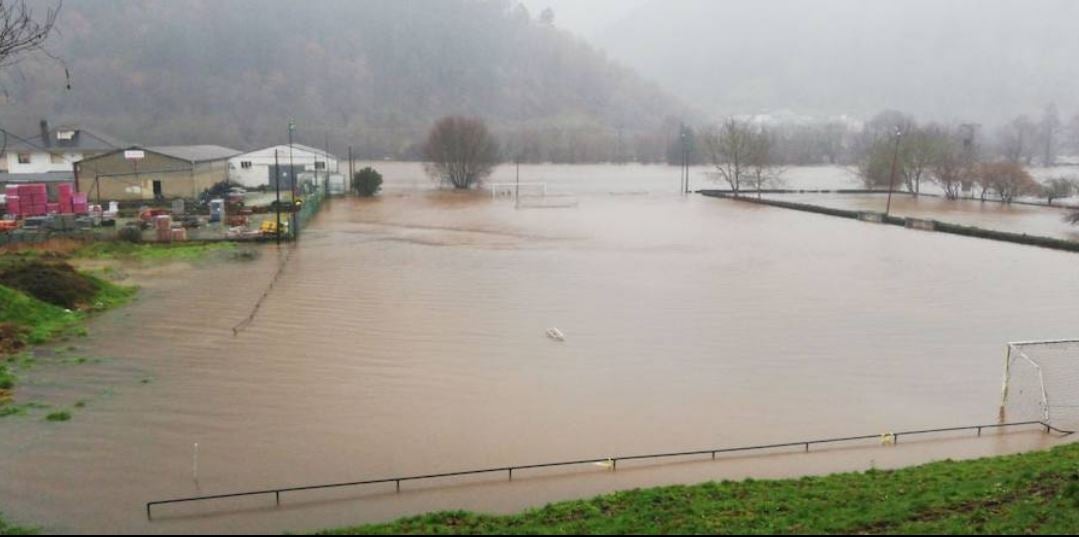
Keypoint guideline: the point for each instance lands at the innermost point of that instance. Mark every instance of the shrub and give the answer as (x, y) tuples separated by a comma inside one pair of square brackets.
[(366, 182)]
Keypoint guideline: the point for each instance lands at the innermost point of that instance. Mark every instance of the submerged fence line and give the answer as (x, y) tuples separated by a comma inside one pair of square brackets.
[(917, 223), (888, 437)]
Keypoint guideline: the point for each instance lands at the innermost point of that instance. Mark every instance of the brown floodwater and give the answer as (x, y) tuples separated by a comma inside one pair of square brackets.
[(1016, 218), (405, 335)]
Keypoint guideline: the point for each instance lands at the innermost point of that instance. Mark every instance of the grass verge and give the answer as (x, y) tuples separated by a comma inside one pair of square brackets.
[(1028, 493), (183, 251), (7, 529)]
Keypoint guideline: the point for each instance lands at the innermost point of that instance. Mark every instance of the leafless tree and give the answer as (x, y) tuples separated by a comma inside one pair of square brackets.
[(1058, 187), (953, 164), (728, 147), (460, 151), (761, 169), (1017, 140), (1005, 179), (1049, 134), (21, 32)]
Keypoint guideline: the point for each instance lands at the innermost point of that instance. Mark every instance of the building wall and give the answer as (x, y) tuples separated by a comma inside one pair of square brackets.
[(262, 162), (122, 180), (41, 161)]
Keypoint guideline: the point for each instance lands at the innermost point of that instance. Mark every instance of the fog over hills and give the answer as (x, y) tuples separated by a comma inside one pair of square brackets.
[(977, 60), (375, 74)]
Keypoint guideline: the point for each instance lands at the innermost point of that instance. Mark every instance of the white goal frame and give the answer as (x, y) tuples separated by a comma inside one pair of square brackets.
[(1016, 351), (510, 190)]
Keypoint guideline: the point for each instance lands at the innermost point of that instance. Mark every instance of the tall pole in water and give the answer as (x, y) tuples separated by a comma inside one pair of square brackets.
[(517, 188), (351, 174), (277, 203), (891, 180), (292, 180)]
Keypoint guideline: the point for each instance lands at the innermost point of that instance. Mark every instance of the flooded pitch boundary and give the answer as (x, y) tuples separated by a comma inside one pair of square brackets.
[(914, 223), (888, 438)]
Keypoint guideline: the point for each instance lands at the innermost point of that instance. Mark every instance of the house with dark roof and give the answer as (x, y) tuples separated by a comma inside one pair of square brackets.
[(153, 172), (49, 156)]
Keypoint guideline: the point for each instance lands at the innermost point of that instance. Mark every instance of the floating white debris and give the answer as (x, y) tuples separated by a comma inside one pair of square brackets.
[(555, 334)]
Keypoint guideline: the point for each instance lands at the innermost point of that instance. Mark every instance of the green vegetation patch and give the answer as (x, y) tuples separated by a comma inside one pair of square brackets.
[(185, 251), (36, 321), (1028, 493), (6, 528)]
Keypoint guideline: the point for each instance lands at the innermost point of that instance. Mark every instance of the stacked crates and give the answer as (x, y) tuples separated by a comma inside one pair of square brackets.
[(29, 200)]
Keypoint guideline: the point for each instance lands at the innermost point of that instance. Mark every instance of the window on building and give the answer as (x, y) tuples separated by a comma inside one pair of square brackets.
[(66, 134), (319, 165), (245, 164), (56, 158), (24, 158)]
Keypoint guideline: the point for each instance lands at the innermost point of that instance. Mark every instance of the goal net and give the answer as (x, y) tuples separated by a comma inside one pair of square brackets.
[(1041, 383), (513, 190)]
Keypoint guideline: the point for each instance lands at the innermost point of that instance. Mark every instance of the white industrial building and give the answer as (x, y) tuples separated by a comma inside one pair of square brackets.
[(256, 168)]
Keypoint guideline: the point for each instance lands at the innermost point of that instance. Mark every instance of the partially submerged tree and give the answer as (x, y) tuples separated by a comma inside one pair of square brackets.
[(460, 151), (1058, 187), (366, 182), (761, 169), (1005, 179), (728, 147), (21, 32), (953, 164)]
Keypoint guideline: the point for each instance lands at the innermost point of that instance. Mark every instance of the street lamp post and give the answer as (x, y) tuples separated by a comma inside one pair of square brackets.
[(891, 179)]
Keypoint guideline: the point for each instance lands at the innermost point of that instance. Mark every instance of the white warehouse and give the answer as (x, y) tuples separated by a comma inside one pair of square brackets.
[(256, 168)]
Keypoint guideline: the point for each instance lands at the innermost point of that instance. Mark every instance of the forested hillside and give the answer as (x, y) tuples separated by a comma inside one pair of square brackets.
[(374, 74)]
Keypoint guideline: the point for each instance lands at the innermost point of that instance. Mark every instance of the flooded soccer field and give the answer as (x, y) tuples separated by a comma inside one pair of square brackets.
[(405, 335)]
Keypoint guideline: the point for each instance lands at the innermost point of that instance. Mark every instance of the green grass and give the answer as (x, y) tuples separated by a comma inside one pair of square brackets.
[(7, 529), (43, 321), (1028, 493), (185, 251), (59, 415)]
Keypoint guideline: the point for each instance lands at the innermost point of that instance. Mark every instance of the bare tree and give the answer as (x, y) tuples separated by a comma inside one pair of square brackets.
[(21, 32), (916, 155), (1005, 179), (1050, 130), (953, 164), (1058, 187), (728, 147), (1017, 140), (761, 168), (460, 151)]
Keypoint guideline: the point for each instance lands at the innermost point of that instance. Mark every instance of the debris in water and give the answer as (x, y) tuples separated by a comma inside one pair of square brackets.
[(555, 334)]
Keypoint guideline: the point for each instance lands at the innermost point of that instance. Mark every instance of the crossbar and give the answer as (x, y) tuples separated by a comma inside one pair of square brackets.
[(612, 461)]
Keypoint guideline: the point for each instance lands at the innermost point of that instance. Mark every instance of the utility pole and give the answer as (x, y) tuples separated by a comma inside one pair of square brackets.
[(292, 178), (277, 204), (891, 180), (685, 160), (351, 173)]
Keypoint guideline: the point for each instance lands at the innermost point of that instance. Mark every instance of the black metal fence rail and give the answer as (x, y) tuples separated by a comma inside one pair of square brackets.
[(891, 437)]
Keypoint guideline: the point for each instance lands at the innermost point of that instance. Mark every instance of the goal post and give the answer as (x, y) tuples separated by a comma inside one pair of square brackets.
[(1041, 383), (513, 190)]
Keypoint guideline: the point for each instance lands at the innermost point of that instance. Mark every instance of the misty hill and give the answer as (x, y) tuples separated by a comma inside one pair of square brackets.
[(375, 74), (980, 60)]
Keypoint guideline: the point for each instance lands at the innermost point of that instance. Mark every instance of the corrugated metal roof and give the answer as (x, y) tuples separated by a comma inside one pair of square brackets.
[(81, 140), (195, 153)]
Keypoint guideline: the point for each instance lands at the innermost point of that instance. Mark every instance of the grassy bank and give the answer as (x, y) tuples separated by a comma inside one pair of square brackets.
[(8, 529), (41, 299), (1028, 493), (182, 251)]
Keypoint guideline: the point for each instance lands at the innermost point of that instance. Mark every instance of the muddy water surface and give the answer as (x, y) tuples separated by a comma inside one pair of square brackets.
[(405, 335)]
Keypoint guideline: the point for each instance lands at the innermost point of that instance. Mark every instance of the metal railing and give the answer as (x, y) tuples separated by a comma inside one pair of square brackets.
[(890, 437)]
